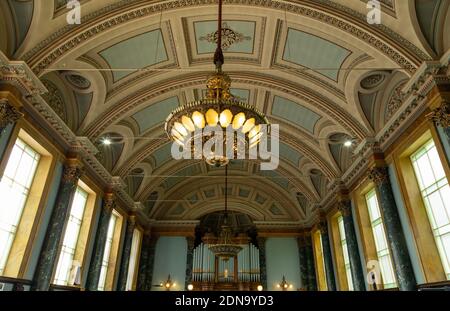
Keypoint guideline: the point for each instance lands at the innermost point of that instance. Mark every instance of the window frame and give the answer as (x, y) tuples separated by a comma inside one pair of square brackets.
[(431, 268), (437, 184), (29, 226)]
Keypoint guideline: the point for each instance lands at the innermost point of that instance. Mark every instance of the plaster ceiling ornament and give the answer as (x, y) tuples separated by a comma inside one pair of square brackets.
[(229, 37), (189, 123)]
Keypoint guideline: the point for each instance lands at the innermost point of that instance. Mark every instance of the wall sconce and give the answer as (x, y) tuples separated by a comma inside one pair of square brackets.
[(168, 284), (284, 285)]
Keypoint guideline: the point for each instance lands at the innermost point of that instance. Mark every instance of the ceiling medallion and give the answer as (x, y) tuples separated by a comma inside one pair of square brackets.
[(229, 37), (241, 125)]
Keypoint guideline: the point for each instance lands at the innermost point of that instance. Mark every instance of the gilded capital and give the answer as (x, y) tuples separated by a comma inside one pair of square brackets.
[(379, 175), (8, 113), (344, 207), (72, 171), (441, 115), (322, 225), (108, 201)]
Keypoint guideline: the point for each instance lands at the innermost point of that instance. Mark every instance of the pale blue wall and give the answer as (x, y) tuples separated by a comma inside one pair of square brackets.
[(406, 226), (170, 258), (282, 259)]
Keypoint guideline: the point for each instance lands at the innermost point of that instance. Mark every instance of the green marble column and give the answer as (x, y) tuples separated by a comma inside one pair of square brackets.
[(303, 262), (55, 230), (126, 251), (190, 261), (358, 278), (327, 257), (309, 253), (394, 231), (95, 266), (8, 114), (150, 263), (143, 261), (262, 262)]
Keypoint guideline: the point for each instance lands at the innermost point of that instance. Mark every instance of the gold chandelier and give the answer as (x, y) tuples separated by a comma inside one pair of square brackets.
[(225, 248), (219, 108)]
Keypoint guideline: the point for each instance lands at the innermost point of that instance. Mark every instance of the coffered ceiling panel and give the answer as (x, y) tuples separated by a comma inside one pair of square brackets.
[(295, 113), (155, 114), (313, 52), (138, 52)]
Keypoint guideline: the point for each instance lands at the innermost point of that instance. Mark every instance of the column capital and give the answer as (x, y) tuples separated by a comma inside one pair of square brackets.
[(344, 207), (108, 201), (379, 174), (441, 115), (8, 113), (322, 226), (73, 170), (132, 219)]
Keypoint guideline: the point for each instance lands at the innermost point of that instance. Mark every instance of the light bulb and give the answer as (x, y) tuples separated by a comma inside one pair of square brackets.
[(198, 119), (106, 141), (180, 128), (348, 143), (238, 120), (248, 125), (212, 117), (188, 124), (259, 288), (190, 287), (225, 117), (254, 131)]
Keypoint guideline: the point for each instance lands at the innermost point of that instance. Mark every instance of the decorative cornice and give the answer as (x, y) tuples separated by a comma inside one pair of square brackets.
[(44, 54), (413, 98), (19, 75)]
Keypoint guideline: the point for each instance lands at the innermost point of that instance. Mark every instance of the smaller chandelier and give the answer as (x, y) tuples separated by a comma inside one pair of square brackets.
[(225, 248)]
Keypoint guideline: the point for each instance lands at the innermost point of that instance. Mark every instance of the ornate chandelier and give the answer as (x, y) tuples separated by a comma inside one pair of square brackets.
[(224, 248), (220, 108)]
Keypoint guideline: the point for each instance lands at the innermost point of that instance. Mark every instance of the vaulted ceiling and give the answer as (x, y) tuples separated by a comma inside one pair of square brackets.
[(316, 67)]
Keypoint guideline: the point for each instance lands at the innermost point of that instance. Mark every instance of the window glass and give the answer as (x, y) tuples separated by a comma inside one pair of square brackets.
[(435, 191), (65, 267), (345, 252), (381, 245), (14, 189), (133, 259), (107, 251)]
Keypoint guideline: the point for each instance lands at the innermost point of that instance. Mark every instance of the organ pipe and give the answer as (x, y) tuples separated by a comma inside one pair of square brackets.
[(204, 265)]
